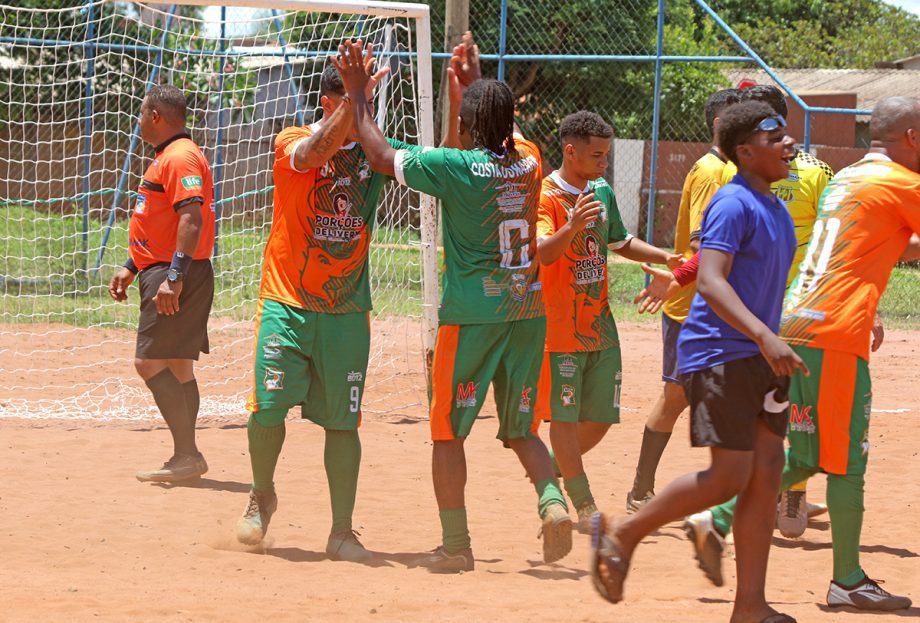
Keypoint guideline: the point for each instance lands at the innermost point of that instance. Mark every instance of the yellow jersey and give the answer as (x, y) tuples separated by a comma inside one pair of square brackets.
[(800, 192), (704, 179)]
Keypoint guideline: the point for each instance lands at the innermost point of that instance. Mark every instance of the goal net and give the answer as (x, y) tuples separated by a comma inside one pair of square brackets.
[(72, 77)]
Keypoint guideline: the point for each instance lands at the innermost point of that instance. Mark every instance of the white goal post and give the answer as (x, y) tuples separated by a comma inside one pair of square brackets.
[(72, 76)]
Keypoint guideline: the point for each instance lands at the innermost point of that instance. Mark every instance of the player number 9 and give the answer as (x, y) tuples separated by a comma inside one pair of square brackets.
[(355, 398)]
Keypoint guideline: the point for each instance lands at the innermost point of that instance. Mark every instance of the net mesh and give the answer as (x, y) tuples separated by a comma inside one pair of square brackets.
[(72, 77)]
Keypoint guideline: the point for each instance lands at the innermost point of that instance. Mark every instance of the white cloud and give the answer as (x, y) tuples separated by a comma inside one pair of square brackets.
[(910, 5)]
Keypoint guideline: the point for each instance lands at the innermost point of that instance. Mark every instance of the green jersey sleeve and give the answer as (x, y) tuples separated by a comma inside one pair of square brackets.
[(429, 170), (616, 230)]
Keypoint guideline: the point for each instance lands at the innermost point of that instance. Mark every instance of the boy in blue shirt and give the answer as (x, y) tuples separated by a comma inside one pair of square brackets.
[(732, 365)]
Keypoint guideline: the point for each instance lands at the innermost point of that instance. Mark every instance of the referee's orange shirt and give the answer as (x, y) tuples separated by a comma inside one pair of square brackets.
[(178, 175)]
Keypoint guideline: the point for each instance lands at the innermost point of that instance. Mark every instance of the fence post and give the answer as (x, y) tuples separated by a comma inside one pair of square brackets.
[(219, 151), (88, 127), (656, 120), (287, 67), (123, 178), (807, 138), (502, 39)]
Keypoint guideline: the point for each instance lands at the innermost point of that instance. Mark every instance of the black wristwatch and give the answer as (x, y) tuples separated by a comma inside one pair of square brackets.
[(173, 275)]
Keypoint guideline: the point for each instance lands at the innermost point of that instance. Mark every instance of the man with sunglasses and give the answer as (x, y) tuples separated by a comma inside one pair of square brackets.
[(732, 365)]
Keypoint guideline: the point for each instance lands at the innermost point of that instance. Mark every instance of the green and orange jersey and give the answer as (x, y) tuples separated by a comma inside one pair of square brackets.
[(489, 206), (865, 219), (800, 191), (316, 257), (704, 179), (578, 314), (178, 176)]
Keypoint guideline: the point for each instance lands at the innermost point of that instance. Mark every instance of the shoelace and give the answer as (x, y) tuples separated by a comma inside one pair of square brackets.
[(252, 509), (793, 501), (874, 586)]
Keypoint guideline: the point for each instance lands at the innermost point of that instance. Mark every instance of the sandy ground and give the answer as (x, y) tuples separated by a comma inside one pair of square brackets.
[(81, 539)]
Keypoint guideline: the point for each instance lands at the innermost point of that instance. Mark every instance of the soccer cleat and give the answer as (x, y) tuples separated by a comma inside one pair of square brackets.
[(791, 516), (439, 560), (345, 545), (634, 503), (556, 533), (813, 510), (708, 544), (252, 526), (176, 469), (867, 595), (584, 518)]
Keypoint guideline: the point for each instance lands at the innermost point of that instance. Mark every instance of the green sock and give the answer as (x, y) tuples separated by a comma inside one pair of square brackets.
[(579, 491), (549, 492), (723, 515), (455, 534), (264, 448), (342, 459), (552, 457), (845, 505)]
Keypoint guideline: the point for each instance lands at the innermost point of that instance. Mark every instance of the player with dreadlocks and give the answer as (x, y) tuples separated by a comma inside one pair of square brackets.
[(492, 322)]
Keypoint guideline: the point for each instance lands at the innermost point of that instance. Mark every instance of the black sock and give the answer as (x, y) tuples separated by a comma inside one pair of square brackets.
[(653, 445), (170, 398), (192, 400)]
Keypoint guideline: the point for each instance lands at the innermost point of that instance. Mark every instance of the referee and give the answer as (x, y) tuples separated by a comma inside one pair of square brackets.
[(171, 236)]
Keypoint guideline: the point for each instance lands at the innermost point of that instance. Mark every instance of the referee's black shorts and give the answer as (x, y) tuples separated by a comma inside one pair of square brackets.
[(183, 335)]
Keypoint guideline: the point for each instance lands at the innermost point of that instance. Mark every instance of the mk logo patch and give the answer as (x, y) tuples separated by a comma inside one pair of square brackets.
[(192, 181), (800, 419), (274, 379), (466, 394)]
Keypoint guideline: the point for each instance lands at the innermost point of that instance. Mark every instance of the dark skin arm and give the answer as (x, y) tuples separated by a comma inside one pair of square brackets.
[(713, 286), (354, 63), (167, 297)]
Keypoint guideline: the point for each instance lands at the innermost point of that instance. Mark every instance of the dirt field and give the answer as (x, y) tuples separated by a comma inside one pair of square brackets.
[(82, 540)]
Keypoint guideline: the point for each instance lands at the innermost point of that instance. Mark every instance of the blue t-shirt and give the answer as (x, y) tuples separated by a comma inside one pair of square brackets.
[(758, 231)]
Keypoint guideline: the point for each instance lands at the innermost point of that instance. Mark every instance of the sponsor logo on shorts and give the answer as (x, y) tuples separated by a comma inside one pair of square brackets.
[(524, 407), (800, 419), (865, 443), (466, 394), (868, 400), (192, 181), (274, 379), (567, 366), (272, 347), (355, 377), (567, 396)]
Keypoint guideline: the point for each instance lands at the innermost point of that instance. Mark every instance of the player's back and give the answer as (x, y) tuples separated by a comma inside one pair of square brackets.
[(865, 218), (489, 206)]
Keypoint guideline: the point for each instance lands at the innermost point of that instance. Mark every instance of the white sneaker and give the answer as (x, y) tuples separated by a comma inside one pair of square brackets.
[(813, 510), (791, 516), (708, 544), (867, 595)]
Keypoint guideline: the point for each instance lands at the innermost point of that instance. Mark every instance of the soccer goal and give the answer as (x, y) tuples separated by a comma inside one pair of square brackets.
[(72, 77)]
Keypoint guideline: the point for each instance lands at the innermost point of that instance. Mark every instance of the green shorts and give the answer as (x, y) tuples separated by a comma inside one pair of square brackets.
[(317, 361), (829, 412), (467, 358), (581, 387)]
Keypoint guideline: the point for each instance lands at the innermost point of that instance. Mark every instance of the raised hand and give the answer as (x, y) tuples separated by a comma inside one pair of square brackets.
[(354, 67), (465, 61), (585, 212), (662, 286)]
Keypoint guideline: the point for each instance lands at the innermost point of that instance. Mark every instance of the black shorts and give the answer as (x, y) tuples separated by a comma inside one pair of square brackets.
[(726, 401), (670, 329), (183, 335)]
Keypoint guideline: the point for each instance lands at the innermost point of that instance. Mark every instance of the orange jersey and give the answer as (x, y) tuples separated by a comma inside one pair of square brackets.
[(317, 250), (578, 314), (865, 219), (178, 175)]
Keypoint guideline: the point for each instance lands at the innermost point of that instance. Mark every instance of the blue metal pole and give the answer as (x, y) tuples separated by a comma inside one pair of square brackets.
[(88, 126), (502, 39), (295, 92), (219, 155), (656, 120), (807, 138), (135, 135)]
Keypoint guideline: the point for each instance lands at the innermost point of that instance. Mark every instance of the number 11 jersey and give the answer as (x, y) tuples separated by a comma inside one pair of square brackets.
[(489, 206), (865, 219)]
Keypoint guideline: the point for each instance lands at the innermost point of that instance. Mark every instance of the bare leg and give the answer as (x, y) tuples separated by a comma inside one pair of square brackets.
[(670, 405), (590, 434), (754, 520), (533, 455)]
